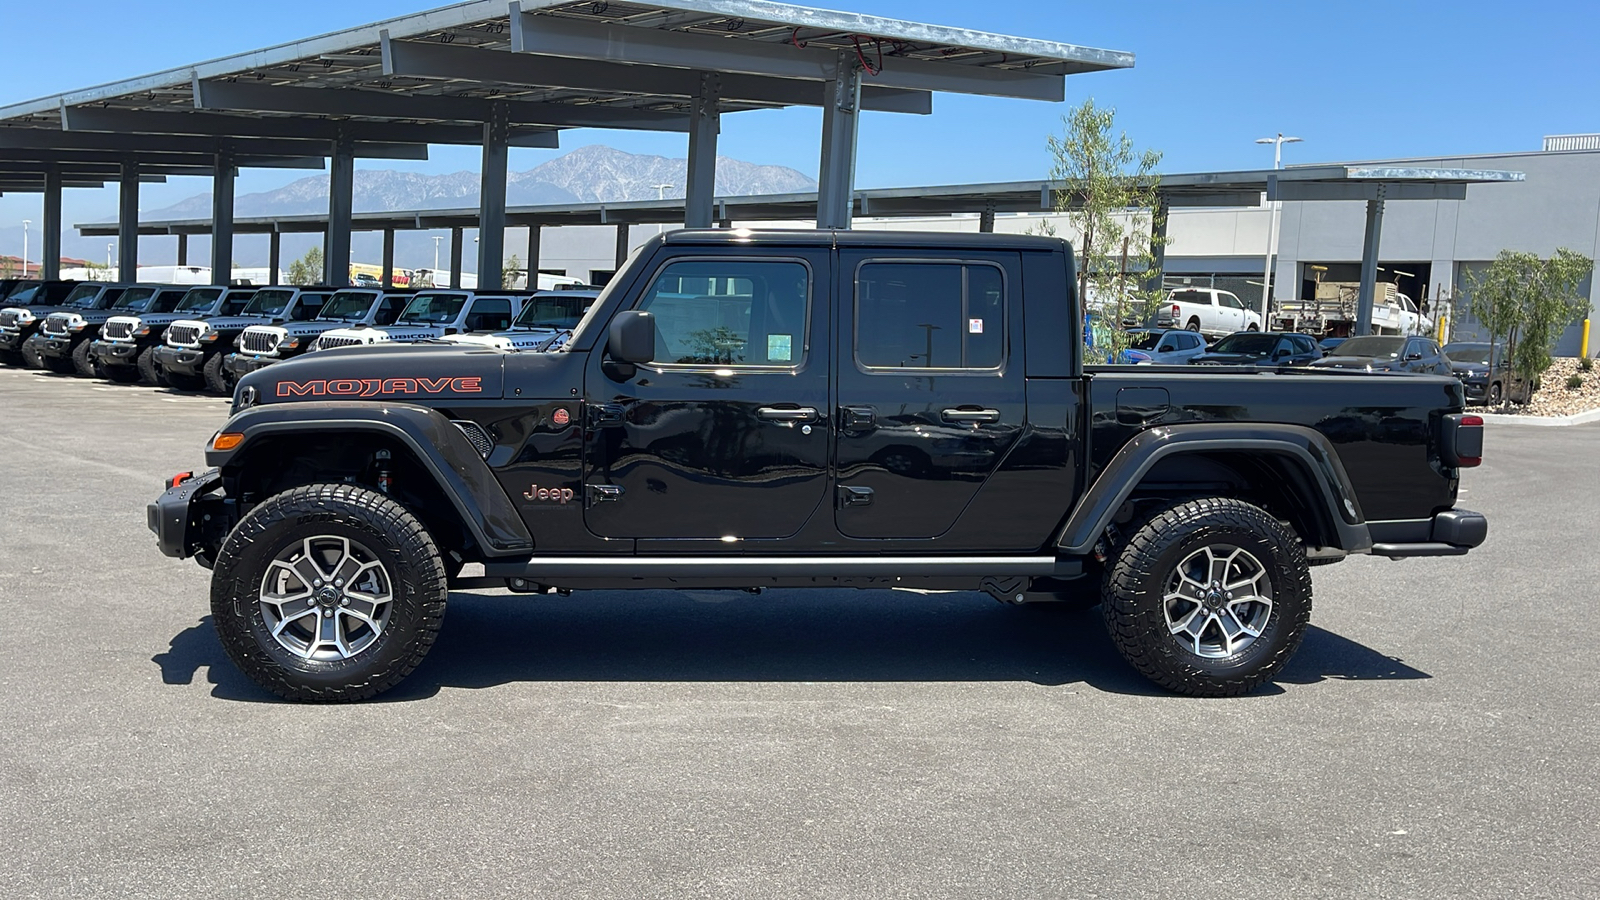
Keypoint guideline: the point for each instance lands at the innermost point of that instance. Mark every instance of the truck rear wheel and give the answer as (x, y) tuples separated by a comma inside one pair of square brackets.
[(329, 592), (149, 372), (1209, 598), (1194, 325)]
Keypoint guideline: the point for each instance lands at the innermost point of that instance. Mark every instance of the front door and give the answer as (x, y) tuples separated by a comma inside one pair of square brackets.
[(725, 436), (930, 387)]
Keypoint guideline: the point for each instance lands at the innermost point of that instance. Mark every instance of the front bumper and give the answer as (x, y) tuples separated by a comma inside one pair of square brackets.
[(242, 364), (54, 347), (1453, 533), (114, 353), (11, 340), (180, 360), (1475, 390), (188, 519)]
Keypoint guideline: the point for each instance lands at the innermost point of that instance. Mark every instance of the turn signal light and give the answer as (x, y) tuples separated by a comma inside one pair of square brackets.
[(227, 440)]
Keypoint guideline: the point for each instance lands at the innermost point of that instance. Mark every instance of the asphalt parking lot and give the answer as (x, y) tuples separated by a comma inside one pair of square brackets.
[(1437, 735)]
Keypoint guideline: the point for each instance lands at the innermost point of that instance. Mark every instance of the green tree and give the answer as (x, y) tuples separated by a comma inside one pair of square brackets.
[(307, 269), (511, 271), (1108, 193), (1526, 302), (9, 266)]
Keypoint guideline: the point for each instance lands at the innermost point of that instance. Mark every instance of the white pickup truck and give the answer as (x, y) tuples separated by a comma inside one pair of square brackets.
[(1209, 311)]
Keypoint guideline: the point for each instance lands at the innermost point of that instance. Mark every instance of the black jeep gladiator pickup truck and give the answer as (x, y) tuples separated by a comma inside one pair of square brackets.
[(744, 410)]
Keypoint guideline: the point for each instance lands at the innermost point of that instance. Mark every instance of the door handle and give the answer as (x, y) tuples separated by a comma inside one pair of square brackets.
[(788, 413), (973, 416), (858, 418)]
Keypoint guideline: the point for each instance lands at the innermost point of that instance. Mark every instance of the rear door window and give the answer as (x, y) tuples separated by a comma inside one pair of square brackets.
[(932, 314)]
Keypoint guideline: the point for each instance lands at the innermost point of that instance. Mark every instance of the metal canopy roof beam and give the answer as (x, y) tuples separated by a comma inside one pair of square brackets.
[(335, 102), (1299, 190), (88, 120), (38, 159), (163, 133), (531, 33), (428, 60)]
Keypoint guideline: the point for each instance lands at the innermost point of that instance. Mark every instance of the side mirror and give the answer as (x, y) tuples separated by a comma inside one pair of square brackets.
[(1282, 352), (1413, 357), (633, 337)]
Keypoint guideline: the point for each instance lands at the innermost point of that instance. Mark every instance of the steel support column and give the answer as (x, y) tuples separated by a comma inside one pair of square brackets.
[(705, 123), (622, 244), (183, 249), (456, 238), (274, 256), (1369, 264), (986, 219), (535, 232), (388, 257), (222, 218), (341, 206), (128, 223), (840, 115), (50, 262), (492, 200)]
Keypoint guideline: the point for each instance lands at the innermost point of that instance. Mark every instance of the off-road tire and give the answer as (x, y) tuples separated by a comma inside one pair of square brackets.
[(149, 372), (397, 539), (85, 365), (218, 380), (1135, 585), (31, 358)]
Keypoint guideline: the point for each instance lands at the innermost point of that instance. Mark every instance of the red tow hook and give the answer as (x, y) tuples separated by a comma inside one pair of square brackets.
[(178, 479)]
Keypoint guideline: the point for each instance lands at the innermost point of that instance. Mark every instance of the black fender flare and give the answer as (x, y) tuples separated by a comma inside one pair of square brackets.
[(440, 446), (1305, 446)]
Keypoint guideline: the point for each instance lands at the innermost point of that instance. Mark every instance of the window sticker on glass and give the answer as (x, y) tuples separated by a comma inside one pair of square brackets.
[(780, 347), (975, 326)]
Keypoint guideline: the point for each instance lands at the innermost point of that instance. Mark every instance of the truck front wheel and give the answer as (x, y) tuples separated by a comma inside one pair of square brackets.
[(329, 592), (218, 379), (1209, 597)]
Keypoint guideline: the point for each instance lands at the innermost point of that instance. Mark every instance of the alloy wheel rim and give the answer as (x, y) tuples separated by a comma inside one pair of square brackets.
[(326, 598), (1218, 601)]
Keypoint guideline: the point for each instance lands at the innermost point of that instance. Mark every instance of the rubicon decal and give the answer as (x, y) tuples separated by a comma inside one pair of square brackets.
[(380, 387)]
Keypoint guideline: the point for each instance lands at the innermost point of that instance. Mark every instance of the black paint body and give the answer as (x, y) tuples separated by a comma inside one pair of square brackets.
[(609, 460)]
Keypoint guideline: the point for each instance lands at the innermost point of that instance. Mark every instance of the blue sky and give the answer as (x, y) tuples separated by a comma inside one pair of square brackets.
[(1357, 80)]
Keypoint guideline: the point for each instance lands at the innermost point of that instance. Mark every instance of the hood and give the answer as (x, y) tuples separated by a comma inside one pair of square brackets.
[(1230, 359), (1469, 369), (161, 319), (235, 323), (525, 339), (1375, 363)]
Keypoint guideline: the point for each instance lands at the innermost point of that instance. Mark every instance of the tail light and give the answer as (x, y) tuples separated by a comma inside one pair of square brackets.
[(1462, 447), (1176, 309)]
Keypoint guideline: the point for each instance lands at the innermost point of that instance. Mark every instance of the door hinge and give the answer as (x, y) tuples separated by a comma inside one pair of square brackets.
[(854, 496), (606, 415)]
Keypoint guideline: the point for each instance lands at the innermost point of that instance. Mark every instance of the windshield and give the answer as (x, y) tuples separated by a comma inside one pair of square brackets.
[(199, 299), (555, 313), (348, 305), (20, 289), (268, 303), (1468, 353), (1247, 344), (432, 309), (23, 296), (134, 298), (1372, 345), (82, 295), (1145, 341)]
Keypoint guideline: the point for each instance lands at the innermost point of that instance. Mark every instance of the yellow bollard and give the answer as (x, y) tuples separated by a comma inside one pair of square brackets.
[(1584, 350)]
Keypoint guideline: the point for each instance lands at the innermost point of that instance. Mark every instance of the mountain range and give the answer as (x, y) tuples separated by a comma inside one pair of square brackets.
[(592, 174)]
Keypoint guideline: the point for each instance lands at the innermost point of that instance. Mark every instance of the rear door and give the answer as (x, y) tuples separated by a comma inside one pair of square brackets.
[(724, 438), (930, 387)]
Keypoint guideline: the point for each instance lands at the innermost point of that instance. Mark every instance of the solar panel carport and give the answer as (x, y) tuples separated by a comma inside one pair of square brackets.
[(504, 74), (1376, 185)]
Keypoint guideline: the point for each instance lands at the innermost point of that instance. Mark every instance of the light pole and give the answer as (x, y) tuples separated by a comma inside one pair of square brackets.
[(436, 240), (1272, 225), (108, 262), (25, 224)]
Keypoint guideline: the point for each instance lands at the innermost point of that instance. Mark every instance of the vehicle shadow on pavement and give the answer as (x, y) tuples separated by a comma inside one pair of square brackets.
[(782, 636)]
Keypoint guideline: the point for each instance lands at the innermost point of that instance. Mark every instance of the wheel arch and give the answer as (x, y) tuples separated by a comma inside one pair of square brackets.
[(288, 445), (1291, 470)]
